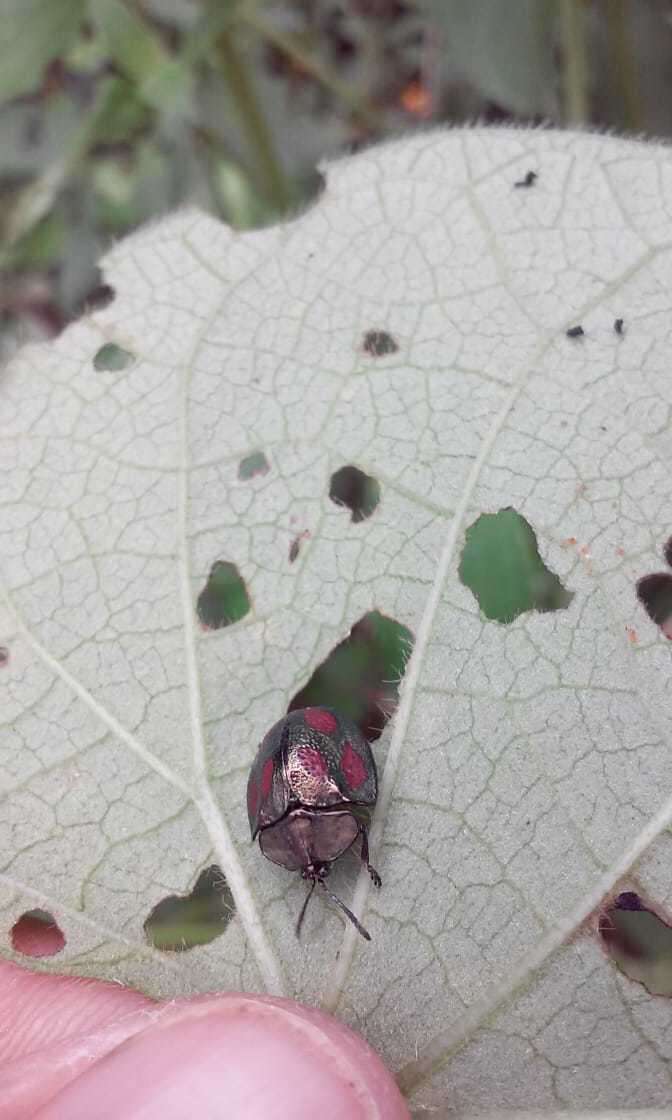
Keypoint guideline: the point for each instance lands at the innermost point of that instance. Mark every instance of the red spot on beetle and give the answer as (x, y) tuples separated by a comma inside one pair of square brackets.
[(352, 766), (312, 762), (320, 720), (252, 798), (266, 778)]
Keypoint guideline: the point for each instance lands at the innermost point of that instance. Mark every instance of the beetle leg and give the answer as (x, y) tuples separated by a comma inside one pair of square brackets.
[(377, 881), (356, 923), (304, 907)]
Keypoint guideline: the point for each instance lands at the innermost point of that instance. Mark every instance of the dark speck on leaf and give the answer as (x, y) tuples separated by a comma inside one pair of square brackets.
[(618, 326), (575, 332), (528, 180), (379, 343)]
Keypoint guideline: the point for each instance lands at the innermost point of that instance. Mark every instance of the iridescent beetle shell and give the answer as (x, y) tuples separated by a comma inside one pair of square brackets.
[(309, 794)]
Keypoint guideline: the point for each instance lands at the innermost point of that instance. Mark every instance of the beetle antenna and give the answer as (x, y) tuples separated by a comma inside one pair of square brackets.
[(303, 909), (358, 925)]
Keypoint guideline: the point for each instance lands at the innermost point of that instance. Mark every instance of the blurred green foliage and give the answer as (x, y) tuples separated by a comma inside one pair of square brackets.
[(362, 674), (181, 922), (224, 598), (111, 357), (501, 565)]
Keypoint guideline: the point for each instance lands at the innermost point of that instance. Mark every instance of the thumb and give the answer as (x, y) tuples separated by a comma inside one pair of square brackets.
[(235, 1056)]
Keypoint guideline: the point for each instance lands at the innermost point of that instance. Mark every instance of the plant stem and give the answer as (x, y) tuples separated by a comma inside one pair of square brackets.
[(622, 65), (575, 67), (362, 112), (237, 76)]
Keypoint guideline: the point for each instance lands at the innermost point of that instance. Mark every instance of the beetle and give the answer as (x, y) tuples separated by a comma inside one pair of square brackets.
[(310, 794)]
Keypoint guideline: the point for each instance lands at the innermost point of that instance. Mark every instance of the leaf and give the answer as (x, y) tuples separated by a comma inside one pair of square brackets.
[(32, 32), (526, 777)]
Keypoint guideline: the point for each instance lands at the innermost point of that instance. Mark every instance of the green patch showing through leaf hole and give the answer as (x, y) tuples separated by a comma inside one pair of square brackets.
[(639, 942), (501, 565), (362, 674), (253, 464), (112, 357), (224, 598), (181, 922)]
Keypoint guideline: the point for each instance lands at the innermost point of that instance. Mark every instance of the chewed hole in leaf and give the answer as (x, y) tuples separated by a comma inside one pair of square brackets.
[(639, 942), (4, 657), (358, 491), (252, 465), (502, 567), (112, 357), (655, 594), (100, 297), (37, 934), (182, 922), (379, 343), (224, 598), (362, 674)]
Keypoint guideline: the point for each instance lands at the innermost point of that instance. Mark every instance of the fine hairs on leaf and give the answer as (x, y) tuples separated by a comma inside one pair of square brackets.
[(166, 455)]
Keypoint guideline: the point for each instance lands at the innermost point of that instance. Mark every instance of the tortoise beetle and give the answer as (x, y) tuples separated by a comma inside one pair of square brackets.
[(310, 793)]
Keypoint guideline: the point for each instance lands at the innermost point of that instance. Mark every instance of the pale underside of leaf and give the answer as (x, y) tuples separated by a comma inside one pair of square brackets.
[(515, 748)]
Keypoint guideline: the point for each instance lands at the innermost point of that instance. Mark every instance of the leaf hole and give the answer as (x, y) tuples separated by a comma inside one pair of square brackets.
[(112, 358), (37, 934), (252, 465), (100, 297), (501, 566), (97, 296), (639, 942), (362, 674), (378, 343), (224, 599), (358, 491), (181, 922), (655, 594)]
